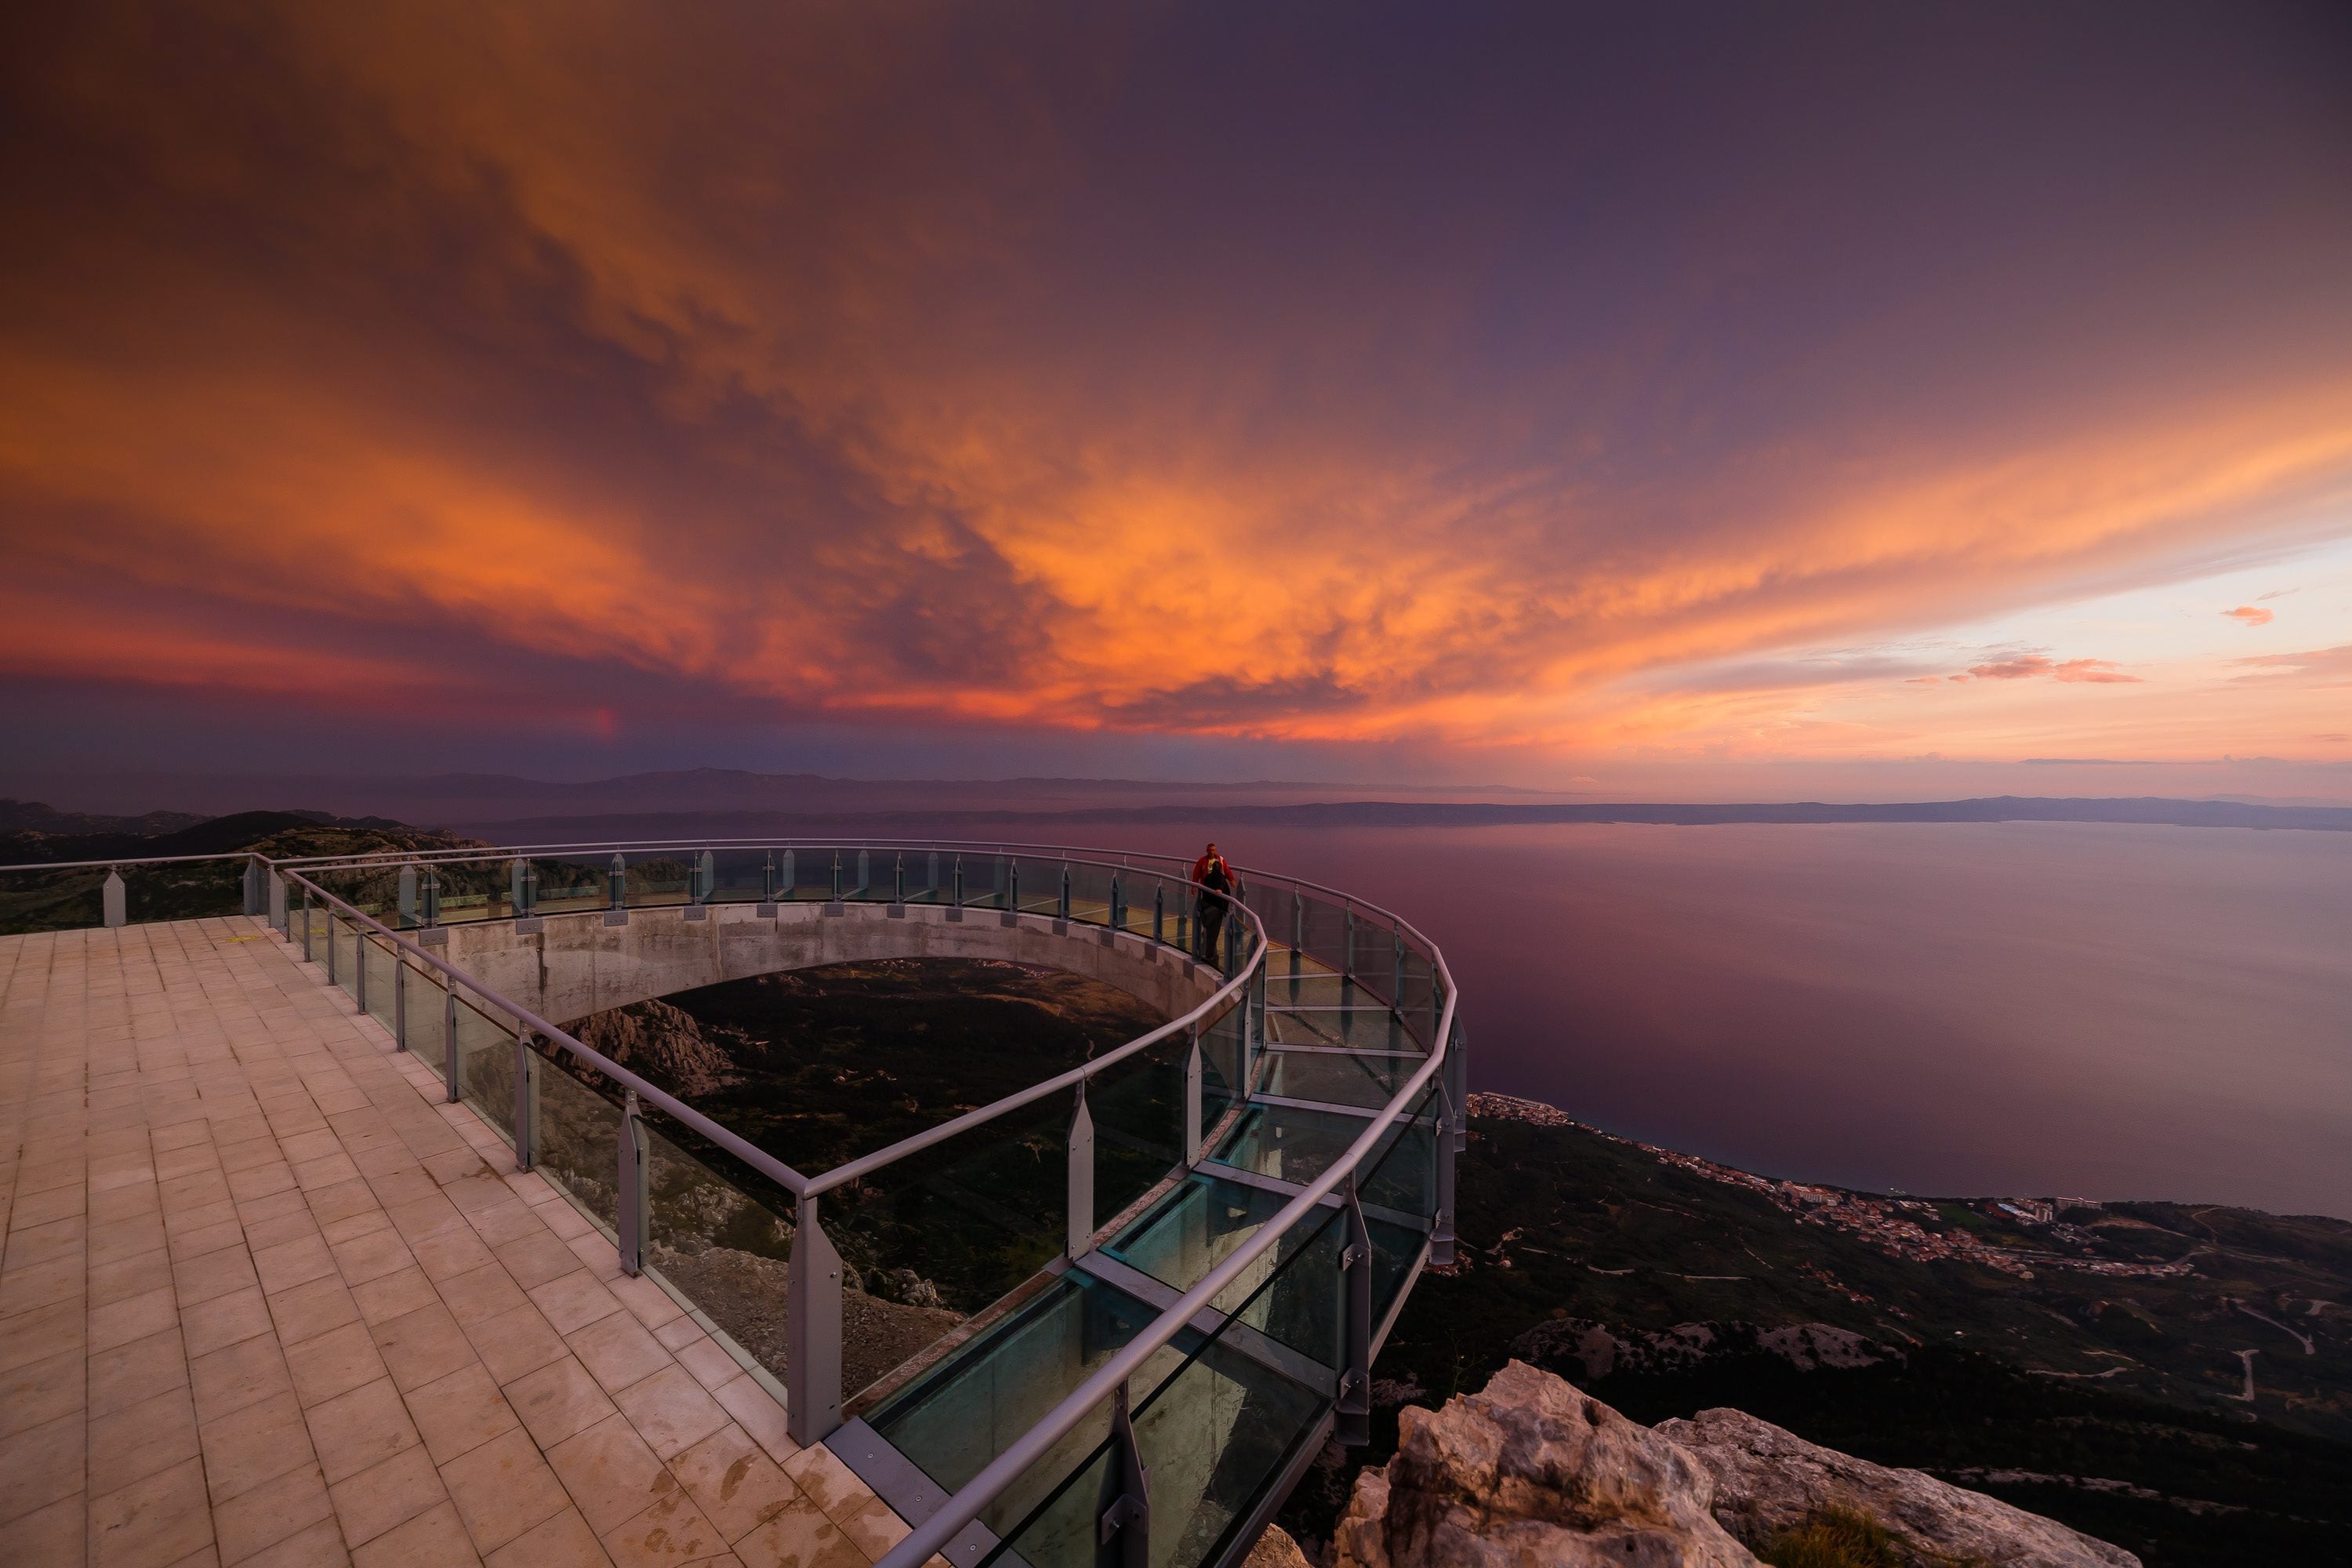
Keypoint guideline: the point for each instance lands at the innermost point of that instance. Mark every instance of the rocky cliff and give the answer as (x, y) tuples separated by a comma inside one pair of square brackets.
[(1530, 1470), (659, 1042)]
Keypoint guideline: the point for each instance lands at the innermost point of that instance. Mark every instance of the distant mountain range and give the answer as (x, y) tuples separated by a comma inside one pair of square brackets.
[(717, 803)]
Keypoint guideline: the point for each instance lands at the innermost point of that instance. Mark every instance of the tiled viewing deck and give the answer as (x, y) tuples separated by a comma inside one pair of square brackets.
[(265, 1299)]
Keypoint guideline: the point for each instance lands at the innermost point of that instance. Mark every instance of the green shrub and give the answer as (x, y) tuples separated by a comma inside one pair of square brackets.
[(1834, 1538)]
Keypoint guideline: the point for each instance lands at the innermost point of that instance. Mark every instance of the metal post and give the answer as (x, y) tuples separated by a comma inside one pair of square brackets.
[(1123, 1526), (1160, 911), (812, 1332), (1350, 968), (359, 966), (635, 1212), (1192, 1102), (514, 887), (1353, 1423), (959, 881), (112, 905), (898, 879), (277, 903), (399, 1003), (1081, 1232), (525, 1099), (1012, 891), (306, 924), (616, 882), (432, 897), (1457, 1076), (255, 900), (1062, 905), (836, 875), (449, 1062), (1297, 939), (1118, 915), (768, 880), (1440, 1230), (331, 948)]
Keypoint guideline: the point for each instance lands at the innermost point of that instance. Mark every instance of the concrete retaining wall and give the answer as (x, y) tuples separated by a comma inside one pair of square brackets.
[(577, 964)]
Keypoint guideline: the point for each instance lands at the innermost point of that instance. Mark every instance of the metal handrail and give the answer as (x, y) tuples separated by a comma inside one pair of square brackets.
[(783, 1175), (767, 1164), (1093, 854), (121, 861)]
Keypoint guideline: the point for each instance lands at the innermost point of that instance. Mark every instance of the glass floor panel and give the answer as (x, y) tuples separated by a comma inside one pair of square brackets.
[(1295, 1146), (1206, 1428), (1370, 1081)]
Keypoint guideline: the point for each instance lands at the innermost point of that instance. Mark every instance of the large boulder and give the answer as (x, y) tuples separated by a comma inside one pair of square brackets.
[(1767, 1481), (1531, 1471), (659, 1042)]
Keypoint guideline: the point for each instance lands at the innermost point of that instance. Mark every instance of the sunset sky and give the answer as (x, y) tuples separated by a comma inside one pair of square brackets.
[(1573, 397)]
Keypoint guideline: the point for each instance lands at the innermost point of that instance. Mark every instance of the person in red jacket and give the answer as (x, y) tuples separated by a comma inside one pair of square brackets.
[(1216, 881)]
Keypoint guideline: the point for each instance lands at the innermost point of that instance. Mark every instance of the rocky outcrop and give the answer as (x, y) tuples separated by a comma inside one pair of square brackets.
[(1275, 1549), (1767, 1481), (660, 1043), (1530, 1470)]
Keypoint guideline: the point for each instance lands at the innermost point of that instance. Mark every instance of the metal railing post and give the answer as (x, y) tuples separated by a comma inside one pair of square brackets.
[(1298, 938), (1458, 1078), (331, 945), (431, 895), (706, 878), (811, 1331), (1353, 1423), (1123, 1526), (1192, 1102), (899, 879), (358, 967), (633, 1212), (1160, 911), (399, 1002), (449, 1063), (836, 875), (1062, 904), (255, 901), (306, 924), (1440, 1229), (1080, 1233), (616, 882), (959, 881), (768, 879), (1118, 915), (113, 905), (525, 1100), (277, 903)]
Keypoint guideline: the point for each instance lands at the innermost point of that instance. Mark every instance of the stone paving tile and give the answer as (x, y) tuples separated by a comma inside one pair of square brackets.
[(266, 1302)]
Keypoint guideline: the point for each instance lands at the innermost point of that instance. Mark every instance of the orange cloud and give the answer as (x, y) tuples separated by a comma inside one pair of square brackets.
[(2248, 615), (843, 367)]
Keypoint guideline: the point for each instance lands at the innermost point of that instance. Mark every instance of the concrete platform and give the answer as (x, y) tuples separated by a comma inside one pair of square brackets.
[(265, 1300)]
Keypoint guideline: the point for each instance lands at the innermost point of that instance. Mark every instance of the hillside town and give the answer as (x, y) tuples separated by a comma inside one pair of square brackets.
[(1891, 1223)]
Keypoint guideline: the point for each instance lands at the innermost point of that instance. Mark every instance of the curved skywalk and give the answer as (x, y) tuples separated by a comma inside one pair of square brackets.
[(1149, 1387)]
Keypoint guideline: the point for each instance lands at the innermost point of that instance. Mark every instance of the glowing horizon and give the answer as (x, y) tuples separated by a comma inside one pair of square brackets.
[(1571, 387)]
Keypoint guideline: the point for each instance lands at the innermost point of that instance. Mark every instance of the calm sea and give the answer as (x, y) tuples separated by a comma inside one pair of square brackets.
[(2008, 1009), (2021, 1008)]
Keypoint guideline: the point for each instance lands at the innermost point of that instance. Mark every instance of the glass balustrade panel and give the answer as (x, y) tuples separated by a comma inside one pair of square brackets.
[(576, 1140), (730, 1253)]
